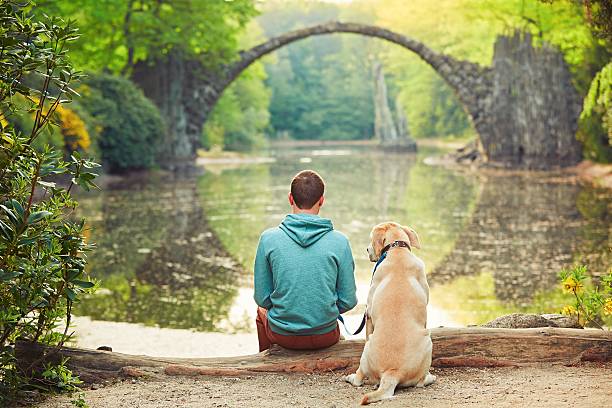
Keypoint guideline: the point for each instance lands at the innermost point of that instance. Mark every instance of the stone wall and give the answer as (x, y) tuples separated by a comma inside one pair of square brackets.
[(533, 112)]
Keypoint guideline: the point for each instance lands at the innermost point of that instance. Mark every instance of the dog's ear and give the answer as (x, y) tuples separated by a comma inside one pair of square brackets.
[(413, 237), (378, 239)]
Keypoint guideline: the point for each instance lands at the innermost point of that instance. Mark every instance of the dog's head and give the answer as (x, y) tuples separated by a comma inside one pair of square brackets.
[(387, 232)]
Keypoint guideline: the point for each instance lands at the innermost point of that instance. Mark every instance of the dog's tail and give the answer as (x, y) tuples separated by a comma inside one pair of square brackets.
[(385, 390)]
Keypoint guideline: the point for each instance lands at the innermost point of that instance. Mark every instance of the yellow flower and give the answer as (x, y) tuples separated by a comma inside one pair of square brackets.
[(607, 307), (570, 285), (568, 310)]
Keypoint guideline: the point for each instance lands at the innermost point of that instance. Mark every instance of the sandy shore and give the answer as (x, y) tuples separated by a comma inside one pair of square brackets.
[(552, 386), (129, 338)]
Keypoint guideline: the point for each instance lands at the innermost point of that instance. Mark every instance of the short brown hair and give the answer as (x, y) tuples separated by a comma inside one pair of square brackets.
[(307, 187)]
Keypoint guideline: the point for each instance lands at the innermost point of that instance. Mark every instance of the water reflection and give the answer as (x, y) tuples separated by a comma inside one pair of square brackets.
[(522, 233), (177, 252), (158, 260)]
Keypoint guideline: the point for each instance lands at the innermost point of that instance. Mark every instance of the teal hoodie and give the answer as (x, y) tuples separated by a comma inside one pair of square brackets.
[(304, 275)]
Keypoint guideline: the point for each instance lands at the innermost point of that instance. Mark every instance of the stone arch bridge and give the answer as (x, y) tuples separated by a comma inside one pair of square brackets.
[(523, 107)]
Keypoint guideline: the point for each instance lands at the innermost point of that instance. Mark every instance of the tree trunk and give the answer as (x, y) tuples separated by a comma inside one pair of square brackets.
[(452, 347)]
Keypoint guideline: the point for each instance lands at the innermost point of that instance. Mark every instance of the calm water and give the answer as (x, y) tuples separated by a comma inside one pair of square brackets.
[(177, 252)]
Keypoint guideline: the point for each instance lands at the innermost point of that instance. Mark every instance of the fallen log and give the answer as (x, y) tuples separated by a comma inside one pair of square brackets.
[(452, 347)]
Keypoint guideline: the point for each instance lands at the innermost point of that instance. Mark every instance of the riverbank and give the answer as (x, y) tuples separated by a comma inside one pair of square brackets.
[(461, 157), (543, 386), (586, 172), (596, 174)]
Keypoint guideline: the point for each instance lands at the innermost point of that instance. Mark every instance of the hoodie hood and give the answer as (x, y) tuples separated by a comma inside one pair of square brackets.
[(305, 229)]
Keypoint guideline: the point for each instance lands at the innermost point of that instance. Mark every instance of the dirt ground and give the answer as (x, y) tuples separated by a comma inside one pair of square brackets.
[(550, 386)]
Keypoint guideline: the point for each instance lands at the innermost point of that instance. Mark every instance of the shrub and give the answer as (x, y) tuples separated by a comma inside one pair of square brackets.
[(130, 126), (42, 260)]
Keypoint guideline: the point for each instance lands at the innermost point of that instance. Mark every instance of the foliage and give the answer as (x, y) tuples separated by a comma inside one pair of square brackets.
[(598, 13), (241, 116), (131, 128), (322, 87), (76, 136), (592, 304), (597, 113), (42, 248), (119, 33), (60, 376)]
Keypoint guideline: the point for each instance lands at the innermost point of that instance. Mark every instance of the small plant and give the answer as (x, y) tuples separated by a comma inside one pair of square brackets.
[(60, 377), (592, 304)]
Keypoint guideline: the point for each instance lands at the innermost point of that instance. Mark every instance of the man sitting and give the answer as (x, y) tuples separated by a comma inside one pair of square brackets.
[(304, 274)]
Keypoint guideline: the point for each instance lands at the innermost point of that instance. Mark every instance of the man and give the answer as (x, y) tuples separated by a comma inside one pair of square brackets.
[(304, 274)]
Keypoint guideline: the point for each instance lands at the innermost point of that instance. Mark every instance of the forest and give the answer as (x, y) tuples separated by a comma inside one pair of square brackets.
[(316, 89)]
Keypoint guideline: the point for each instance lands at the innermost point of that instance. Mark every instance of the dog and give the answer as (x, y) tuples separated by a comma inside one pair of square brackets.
[(398, 345)]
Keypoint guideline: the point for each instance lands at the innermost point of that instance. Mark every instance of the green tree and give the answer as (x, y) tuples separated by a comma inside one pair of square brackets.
[(118, 33), (321, 87)]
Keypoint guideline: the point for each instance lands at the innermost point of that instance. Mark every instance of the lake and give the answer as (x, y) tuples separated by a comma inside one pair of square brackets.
[(177, 252)]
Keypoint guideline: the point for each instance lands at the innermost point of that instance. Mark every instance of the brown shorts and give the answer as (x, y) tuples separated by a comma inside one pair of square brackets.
[(309, 342)]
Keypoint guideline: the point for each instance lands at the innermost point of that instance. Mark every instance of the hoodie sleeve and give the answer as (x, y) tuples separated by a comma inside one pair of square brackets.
[(263, 278), (345, 285)]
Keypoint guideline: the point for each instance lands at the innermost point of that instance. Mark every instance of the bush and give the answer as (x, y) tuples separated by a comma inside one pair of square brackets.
[(42, 260), (130, 126)]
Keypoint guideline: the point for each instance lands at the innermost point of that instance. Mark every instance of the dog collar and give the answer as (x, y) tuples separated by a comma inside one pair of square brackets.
[(396, 244)]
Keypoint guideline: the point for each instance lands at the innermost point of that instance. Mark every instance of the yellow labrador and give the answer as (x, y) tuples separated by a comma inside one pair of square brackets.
[(398, 346)]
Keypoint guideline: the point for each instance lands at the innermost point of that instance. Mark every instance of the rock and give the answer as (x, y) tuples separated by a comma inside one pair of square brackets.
[(133, 372), (105, 348), (568, 322), (520, 321)]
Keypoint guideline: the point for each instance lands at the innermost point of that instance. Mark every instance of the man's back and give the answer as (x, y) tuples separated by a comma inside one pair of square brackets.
[(304, 275)]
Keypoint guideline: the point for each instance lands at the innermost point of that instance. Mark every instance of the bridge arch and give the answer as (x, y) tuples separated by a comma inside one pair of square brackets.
[(471, 82)]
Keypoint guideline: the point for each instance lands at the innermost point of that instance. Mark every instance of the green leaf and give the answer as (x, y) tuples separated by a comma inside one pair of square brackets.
[(7, 231), (84, 284), (70, 294), (7, 276), (37, 216), (46, 183), (17, 207), (27, 241), (11, 215), (72, 274)]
